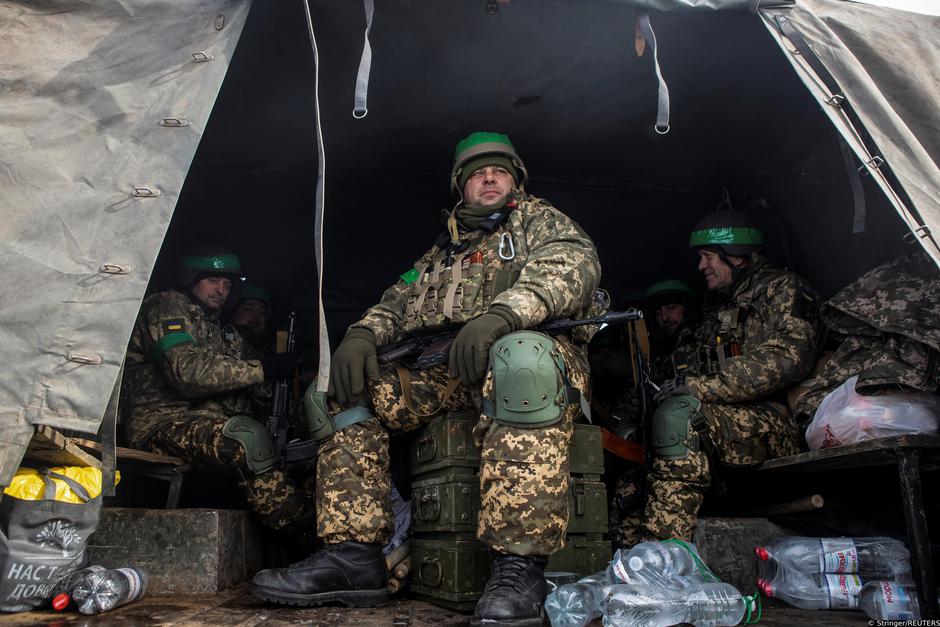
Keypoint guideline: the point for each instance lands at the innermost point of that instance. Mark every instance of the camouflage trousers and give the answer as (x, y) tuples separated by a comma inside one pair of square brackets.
[(523, 473), (743, 434), (197, 438)]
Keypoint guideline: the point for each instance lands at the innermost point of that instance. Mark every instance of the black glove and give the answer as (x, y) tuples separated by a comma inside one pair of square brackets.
[(354, 358), (470, 352), (672, 387), (279, 365)]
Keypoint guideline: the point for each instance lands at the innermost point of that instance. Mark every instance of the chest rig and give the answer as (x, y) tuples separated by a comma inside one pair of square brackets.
[(721, 338), (457, 282)]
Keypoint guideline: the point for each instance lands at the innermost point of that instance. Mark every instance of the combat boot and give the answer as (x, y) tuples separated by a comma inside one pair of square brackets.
[(351, 573), (514, 593)]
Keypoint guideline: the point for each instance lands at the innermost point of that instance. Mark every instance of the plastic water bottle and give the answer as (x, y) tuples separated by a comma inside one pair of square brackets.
[(577, 604), (817, 591), (104, 590), (871, 558), (62, 590), (656, 563), (701, 604), (889, 600)]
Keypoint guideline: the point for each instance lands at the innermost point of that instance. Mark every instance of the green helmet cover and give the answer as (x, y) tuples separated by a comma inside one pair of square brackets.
[(669, 286), (208, 261), (482, 143), (252, 291), (528, 375), (734, 232)]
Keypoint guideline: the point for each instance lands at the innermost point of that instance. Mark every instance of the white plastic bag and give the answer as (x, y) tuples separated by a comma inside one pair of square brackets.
[(845, 416)]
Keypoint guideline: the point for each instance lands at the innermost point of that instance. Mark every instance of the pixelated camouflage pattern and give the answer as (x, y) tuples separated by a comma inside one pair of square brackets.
[(772, 314), (681, 357), (524, 472), (735, 435), (197, 438), (888, 324), (553, 275), (207, 374)]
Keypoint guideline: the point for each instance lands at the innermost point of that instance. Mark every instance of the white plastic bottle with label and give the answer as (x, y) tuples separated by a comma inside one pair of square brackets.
[(817, 591), (701, 604), (871, 558), (889, 600)]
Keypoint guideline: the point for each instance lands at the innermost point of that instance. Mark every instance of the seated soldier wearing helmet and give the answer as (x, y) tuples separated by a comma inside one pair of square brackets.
[(758, 337), (506, 262), (187, 388)]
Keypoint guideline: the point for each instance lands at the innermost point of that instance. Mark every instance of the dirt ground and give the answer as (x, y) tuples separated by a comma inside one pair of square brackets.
[(237, 608)]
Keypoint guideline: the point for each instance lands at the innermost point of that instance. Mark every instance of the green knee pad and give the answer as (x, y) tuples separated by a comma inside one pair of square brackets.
[(255, 439), (673, 434), (321, 424), (528, 375)]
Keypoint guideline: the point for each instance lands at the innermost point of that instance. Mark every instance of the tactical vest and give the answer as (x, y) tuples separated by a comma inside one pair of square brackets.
[(462, 286)]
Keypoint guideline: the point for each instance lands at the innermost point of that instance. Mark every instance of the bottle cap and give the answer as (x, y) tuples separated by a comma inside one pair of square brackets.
[(61, 601), (635, 563), (762, 553)]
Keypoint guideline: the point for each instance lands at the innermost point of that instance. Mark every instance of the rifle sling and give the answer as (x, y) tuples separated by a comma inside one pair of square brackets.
[(404, 377)]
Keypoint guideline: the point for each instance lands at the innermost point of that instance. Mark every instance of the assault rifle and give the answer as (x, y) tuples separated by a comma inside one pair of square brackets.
[(433, 349), (280, 400)]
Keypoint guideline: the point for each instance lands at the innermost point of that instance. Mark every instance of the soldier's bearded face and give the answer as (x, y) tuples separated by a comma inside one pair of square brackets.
[(212, 291), (717, 272), (670, 317), (488, 186)]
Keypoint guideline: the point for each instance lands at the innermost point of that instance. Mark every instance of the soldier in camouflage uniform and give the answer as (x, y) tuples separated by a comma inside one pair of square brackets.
[(249, 313), (758, 338), (506, 262), (186, 389), (672, 305)]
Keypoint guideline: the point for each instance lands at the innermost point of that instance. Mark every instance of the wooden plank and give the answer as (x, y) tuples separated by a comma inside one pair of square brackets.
[(882, 451), (51, 448), (133, 454)]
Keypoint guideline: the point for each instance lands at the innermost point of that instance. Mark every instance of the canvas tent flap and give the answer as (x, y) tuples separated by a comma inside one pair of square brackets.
[(103, 106), (885, 61)]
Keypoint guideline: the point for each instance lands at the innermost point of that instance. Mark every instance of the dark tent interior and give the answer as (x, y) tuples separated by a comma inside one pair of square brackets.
[(564, 81)]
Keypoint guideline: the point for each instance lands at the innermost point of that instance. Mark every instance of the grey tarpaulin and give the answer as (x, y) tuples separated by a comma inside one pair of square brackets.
[(886, 63), (97, 99)]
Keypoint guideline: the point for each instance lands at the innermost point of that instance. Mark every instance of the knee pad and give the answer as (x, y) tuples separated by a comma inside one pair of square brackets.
[(673, 434), (529, 381), (260, 455), (321, 424)]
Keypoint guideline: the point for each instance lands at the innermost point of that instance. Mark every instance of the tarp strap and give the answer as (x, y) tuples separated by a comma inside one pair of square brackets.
[(855, 181), (323, 370), (662, 105), (839, 100), (360, 106)]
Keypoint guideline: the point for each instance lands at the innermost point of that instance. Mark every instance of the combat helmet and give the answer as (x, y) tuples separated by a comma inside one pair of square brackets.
[(668, 292), (251, 291), (732, 232), (485, 148), (208, 260)]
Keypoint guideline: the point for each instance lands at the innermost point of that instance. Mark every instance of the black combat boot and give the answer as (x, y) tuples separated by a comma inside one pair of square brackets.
[(352, 573), (514, 593)]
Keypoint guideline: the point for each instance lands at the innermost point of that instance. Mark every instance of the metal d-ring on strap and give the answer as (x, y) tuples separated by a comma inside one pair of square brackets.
[(662, 105), (360, 106), (505, 243)]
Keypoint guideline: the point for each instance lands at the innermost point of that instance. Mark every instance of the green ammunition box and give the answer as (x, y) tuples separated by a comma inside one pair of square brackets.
[(584, 555), (450, 503), (450, 573), (447, 442)]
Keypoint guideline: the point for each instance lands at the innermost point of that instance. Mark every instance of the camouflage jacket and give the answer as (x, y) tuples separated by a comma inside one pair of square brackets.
[(888, 326), (759, 340), (539, 263), (670, 363), (179, 360)]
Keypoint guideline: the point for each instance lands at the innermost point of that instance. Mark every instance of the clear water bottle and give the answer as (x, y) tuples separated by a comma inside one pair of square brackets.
[(104, 590), (871, 558), (889, 600), (701, 604), (577, 604), (656, 563), (62, 591), (817, 591)]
